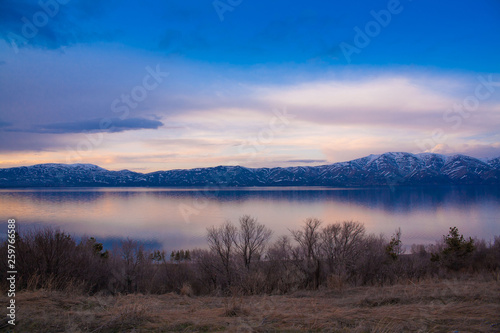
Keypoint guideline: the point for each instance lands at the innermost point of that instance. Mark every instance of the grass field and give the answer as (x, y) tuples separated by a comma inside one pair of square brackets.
[(429, 306)]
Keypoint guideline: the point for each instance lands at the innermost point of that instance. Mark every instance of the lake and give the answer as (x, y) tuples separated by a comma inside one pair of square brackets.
[(178, 218)]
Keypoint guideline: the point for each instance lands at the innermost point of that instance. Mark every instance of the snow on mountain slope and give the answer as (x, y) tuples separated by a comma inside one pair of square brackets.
[(393, 168), (494, 162)]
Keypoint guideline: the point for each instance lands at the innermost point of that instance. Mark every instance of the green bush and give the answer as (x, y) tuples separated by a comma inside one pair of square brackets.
[(456, 252)]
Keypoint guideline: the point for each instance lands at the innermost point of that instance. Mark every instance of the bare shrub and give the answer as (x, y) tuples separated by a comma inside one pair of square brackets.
[(370, 266), (240, 262), (282, 275), (208, 270), (50, 259)]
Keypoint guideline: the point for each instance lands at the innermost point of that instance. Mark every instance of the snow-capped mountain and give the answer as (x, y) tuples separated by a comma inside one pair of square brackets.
[(374, 170)]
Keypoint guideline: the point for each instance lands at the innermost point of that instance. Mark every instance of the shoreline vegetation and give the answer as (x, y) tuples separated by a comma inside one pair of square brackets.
[(321, 277)]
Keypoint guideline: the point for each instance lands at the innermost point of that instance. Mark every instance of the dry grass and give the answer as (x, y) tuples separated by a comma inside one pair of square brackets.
[(430, 306)]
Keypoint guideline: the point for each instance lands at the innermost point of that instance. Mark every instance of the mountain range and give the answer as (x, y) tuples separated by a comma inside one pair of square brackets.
[(374, 170)]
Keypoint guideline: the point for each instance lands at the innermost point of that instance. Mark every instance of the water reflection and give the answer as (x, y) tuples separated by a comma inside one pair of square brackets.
[(178, 217)]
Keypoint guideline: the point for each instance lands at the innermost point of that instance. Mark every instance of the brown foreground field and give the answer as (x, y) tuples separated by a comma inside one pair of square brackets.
[(429, 306)]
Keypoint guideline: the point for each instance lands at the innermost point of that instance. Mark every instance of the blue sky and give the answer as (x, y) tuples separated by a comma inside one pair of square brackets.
[(161, 85)]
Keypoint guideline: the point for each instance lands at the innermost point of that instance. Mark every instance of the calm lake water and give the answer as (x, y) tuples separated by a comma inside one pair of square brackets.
[(178, 218)]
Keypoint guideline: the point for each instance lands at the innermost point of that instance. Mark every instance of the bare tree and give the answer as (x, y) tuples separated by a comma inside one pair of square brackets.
[(351, 236), (308, 238), (370, 265), (309, 241), (133, 256), (221, 241), (330, 244), (282, 273), (207, 264), (280, 250), (341, 245), (252, 239)]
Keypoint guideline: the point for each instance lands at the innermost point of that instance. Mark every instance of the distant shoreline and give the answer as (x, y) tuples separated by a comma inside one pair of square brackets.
[(386, 170)]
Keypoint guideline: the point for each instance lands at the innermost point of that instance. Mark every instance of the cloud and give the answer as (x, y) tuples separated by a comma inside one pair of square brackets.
[(111, 125), (306, 161), (388, 93), (181, 142), (4, 123), (389, 100), (22, 142), (472, 149)]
